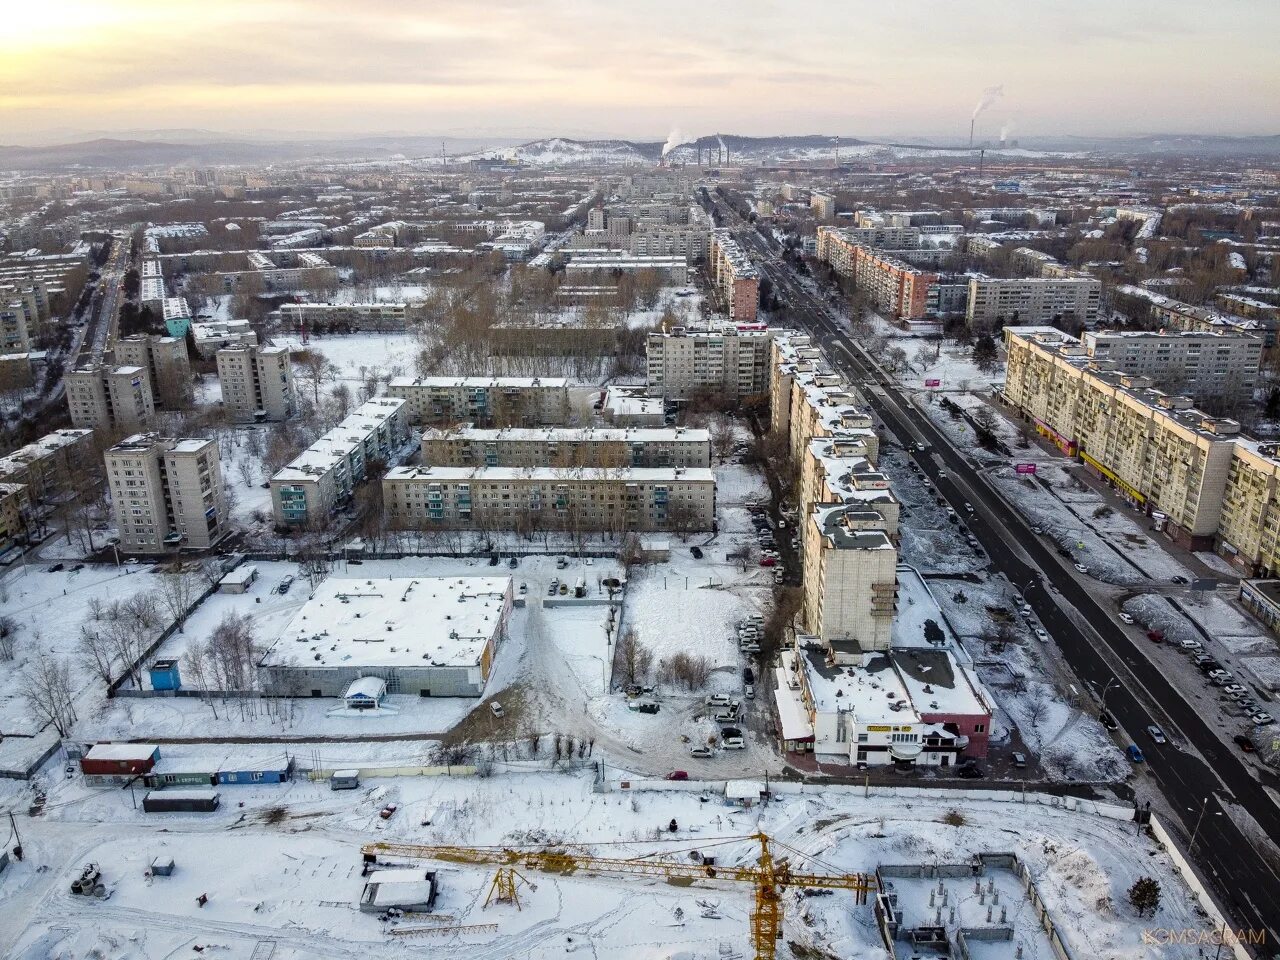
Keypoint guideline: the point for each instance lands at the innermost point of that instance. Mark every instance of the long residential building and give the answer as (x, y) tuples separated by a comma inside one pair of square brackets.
[(167, 494), (528, 500), (307, 492), (345, 316), (1208, 365), (734, 275), (1177, 315), (48, 467), (167, 364), (718, 359), (567, 447), (105, 395), (896, 288), (1029, 301), (484, 401), (257, 383)]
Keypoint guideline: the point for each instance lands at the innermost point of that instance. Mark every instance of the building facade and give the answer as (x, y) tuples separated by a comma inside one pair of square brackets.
[(567, 447), (167, 494), (994, 302), (167, 364), (484, 401), (257, 383), (104, 395), (720, 359), (734, 275)]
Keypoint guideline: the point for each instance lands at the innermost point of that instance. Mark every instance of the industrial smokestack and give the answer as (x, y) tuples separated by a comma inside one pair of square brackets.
[(972, 121), (989, 96)]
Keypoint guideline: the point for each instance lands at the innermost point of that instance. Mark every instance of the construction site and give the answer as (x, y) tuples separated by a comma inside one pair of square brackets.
[(539, 864)]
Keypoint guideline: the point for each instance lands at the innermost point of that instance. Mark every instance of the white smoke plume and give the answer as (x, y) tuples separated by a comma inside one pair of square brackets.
[(1007, 130), (989, 96), (674, 139)]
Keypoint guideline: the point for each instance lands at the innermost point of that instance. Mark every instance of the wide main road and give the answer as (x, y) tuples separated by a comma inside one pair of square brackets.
[(1100, 652)]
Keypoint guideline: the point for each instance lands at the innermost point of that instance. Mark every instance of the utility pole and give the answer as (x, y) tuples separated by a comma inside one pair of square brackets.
[(17, 847)]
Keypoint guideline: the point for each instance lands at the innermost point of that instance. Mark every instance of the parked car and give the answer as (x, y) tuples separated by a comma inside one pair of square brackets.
[(496, 709), (749, 690), (768, 561), (719, 700), (1156, 734), (512, 562), (1178, 579), (968, 506), (1081, 567), (493, 559), (1037, 530), (55, 568), (702, 753), (1155, 636), (1135, 754), (1019, 759), (748, 675), (1244, 743), (283, 586), (1191, 645), (553, 588), (76, 568), (750, 647), (1040, 632), (1108, 721), (678, 775), (695, 552), (387, 812), (1125, 618), (1262, 719)]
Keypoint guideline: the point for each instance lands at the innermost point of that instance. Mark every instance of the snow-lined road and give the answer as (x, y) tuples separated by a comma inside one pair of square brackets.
[(1243, 870)]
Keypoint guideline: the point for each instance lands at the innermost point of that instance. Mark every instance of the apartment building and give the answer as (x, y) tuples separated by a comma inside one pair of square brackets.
[(211, 336), (104, 395), (675, 240), (48, 466), (177, 316), (345, 316), (323, 477), (484, 401), (1177, 315), (15, 507), (897, 289), (553, 336), (734, 275), (1032, 301), (527, 500), (167, 364), (584, 264), (850, 579), (1249, 531), (1157, 450), (257, 383), (1216, 364), (841, 469), (24, 315), (823, 206), (167, 494), (720, 358), (567, 447), (836, 244)]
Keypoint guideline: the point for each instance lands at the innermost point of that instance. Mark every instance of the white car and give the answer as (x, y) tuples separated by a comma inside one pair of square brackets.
[(1041, 634), (702, 753), (719, 700), (1125, 618), (1081, 567), (1262, 719)]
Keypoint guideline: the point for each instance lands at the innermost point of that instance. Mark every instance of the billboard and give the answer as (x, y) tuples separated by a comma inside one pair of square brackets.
[(933, 383), (1025, 468)]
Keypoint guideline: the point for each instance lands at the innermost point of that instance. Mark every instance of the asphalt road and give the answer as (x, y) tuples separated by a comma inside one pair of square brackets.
[(1194, 789)]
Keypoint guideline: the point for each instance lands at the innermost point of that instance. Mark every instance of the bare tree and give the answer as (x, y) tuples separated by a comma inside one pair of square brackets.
[(688, 670), (97, 649), (637, 659), (46, 688), (177, 593), (8, 637)]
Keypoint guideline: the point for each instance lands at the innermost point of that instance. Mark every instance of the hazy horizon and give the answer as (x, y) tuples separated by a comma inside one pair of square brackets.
[(509, 69)]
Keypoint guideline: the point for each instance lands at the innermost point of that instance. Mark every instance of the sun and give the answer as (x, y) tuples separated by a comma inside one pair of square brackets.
[(27, 24)]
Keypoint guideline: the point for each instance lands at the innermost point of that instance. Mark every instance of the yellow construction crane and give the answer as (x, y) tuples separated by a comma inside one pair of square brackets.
[(769, 875)]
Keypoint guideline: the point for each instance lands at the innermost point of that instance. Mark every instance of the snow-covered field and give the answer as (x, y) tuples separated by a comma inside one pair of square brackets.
[(357, 355), (280, 868)]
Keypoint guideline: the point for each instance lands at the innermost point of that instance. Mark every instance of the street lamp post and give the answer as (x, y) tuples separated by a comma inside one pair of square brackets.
[(1200, 819), (1110, 683)]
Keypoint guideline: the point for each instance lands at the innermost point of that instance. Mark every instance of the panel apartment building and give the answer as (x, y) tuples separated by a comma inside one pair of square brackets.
[(528, 500), (167, 364), (1205, 365), (257, 383), (104, 395), (345, 316), (734, 276), (719, 359), (1177, 315), (167, 494), (1158, 450), (567, 447), (896, 288), (1032, 300), (323, 477), (484, 401), (47, 467)]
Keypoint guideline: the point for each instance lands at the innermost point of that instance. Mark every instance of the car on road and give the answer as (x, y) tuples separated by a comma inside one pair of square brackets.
[(1037, 530), (942, 475), (1135, 754), (76, 568), (1155, 636), (283, 586), (1081, 567), (695, 552), (512, 562), (1244, 743), (678, 775), (1108, 721), (702, 753), (1156, 734), (1178, 579), (1262, 719), (1191, 645), (1234, 688), (55, 568), (748, 675), (968, 507), (1041, 634), (1125, 618)]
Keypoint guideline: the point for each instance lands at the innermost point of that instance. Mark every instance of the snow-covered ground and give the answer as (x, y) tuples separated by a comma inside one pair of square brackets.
[(360, 355), (280, 869)]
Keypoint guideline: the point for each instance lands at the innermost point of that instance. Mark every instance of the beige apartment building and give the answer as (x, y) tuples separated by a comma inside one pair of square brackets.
[(1156, 449), (102, 395), (528, 500), (823, 206), (484, 401), (850, 579), (718, 359), (1215, 365), (24, 316), (841, 469), (257, 383), (734, 275), (167, 494), (1177, 315), (1249, 531), (1032, 300), (345, 316), (47, 467), (323, 477), (167, 364), (567, 447)]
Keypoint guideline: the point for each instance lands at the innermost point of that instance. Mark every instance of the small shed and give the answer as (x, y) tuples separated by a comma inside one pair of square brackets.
[(162, 866), (238, 580), (180, 801), (165, 675), (743, 793), (399, 888), (655, 549), (112, 763), (365, 693)]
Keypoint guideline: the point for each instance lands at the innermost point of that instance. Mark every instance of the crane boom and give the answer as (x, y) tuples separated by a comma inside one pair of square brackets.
[(768, 875)]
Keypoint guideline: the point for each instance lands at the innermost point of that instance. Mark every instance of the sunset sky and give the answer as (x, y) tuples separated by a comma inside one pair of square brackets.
[(637, 69)]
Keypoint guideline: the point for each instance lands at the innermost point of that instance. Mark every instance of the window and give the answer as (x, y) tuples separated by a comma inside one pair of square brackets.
[(979, 728)]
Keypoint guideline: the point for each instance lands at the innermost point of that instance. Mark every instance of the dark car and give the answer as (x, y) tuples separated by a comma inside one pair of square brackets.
[(493, 560), (695, 552), (1108, 721), (55, 568), (512, 562), (78, 566), (1244, 743), (678, 775), (970, 772), (748, 675)]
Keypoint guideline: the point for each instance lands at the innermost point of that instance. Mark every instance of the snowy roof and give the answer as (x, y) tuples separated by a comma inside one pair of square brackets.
[(244, 574), (396, 622), (561, 474), (368, 688), (574, 434), (743, 789), (873, 694), (479, 382), (121, 751), (791, 711)]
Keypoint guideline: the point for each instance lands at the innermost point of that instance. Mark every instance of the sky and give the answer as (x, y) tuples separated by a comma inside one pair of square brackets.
[(637, 68)]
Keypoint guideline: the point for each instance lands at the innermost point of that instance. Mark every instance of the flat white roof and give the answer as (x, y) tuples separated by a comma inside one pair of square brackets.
[(394, 622), (121, 751), (477, 382), (575, 434), (562, 474)]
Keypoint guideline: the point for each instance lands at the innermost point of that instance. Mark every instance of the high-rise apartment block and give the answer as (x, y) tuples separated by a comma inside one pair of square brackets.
[(734, 275), (104, 395), (719, 358), (1215, 365), (167, 364), (1034, 300), (167, 494), (257, 383)]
